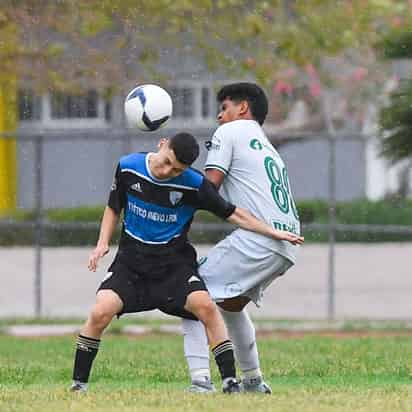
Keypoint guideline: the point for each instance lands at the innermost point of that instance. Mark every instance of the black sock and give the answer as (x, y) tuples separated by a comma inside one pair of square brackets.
[(225, 359), (86, 351)]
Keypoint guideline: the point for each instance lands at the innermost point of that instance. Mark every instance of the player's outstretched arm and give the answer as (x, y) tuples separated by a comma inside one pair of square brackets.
[(107, 228), (245, 220)]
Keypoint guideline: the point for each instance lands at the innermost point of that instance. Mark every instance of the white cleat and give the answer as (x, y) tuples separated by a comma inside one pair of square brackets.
[(201, 387), (78, 387), (256, 385)]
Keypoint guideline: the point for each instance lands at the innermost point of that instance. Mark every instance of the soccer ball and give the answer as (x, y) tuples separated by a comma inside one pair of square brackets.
[(148, 107)]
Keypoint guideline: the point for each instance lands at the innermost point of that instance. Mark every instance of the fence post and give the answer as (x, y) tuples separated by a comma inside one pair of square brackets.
[(8, 148), (38, 240), (332, 227), (332, 205)]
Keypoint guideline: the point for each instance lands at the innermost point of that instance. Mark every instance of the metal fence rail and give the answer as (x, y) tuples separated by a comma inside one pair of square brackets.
[(218, 227), (41, 225), (39, 137)]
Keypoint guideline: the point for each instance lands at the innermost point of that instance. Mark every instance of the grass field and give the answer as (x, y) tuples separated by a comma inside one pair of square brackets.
[(310, 373)]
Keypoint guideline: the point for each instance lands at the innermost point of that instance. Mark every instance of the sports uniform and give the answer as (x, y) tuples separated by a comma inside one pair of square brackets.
[(155, 266), (249, 171), (245, 263)]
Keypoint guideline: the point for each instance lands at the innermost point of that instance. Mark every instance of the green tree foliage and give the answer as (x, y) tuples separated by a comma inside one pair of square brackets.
[(396, 124), (397, 45), (108, 41), (396, 117)]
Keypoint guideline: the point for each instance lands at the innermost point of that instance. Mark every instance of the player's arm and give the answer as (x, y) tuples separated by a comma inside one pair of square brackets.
[(109, 221), (246, 220), (210, 199), (216, 176), (107, 228), (219, 156)]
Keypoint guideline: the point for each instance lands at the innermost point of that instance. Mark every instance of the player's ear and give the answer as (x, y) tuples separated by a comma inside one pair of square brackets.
[(243, 107), (162, 142)]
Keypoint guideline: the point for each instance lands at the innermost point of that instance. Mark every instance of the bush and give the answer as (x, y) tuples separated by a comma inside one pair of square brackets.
[(390, 211), (78, 214), (385, 212)]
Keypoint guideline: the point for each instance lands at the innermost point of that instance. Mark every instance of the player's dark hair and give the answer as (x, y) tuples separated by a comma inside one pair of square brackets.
[(185, 148), (250, 92)]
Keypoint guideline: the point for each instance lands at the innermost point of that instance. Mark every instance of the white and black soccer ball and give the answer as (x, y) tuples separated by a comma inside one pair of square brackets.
[(148, 107)]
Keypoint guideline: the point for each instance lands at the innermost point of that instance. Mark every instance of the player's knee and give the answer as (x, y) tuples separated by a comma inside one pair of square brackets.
[(206, 310), (100, 317)]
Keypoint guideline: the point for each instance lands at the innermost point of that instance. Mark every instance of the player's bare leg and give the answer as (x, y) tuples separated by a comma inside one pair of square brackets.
[(107, 305), (201, 305)]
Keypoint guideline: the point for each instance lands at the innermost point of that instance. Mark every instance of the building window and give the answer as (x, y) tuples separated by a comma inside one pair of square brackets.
[(29, 105), (183, 102), (65, 106), (108, 110), (205, 102)]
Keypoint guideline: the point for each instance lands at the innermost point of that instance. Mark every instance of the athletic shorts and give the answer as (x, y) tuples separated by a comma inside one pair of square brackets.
[(154, 286), (235, 268)]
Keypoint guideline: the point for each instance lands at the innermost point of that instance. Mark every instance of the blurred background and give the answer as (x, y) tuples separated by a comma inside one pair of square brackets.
[(338, 78)]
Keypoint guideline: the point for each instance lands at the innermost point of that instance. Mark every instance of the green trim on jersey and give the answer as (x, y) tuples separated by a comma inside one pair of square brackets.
[(212, 166)]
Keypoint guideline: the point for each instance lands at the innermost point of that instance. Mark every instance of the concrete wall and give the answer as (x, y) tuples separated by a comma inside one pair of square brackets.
[(308, 168), (80, 171)]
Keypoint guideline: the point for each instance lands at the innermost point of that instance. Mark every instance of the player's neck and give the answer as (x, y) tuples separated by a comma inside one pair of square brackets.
[(151, 164)]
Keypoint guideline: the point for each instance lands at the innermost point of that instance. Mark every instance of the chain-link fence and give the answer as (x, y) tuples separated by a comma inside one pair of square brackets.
[(58, 169)]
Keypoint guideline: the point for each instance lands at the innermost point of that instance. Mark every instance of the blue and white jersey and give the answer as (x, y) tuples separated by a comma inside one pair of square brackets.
[(159, 212)]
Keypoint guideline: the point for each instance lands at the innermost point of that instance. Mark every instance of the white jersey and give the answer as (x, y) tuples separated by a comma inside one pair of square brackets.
[(256, 180)]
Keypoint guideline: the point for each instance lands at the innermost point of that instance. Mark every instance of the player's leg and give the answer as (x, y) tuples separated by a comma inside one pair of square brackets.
[(200, 304), (243, 335), (237, 274), (194, 334), (240, 327), (107, 305), (196, 351)]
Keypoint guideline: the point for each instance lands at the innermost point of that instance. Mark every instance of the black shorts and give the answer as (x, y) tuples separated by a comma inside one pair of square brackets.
[(154, 285)]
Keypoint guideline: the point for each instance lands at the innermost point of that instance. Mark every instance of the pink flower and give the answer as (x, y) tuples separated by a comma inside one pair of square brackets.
[(291, 72), (315, 89), (282, 87), (359, 74), (310, 70), (397, 20)]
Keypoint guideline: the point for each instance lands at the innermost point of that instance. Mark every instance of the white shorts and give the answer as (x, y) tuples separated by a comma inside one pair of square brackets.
[(236, 267)]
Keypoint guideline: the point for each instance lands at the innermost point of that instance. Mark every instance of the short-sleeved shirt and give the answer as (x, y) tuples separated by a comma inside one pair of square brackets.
[(256, 179), (157, 213)]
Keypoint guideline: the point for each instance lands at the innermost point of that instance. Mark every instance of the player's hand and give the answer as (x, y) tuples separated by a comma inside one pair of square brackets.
[(95, 256), (289, 237)]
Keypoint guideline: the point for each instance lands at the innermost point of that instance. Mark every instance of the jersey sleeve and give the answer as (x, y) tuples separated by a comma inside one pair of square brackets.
[(208, 198), (117, 195), (220, 150)]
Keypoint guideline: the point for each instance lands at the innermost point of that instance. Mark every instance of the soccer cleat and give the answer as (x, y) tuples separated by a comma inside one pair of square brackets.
[(257, 385), (231, 385), (201, 387), (78, 387)]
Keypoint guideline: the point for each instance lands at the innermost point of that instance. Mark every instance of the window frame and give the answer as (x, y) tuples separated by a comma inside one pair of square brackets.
[(47, 120), (198, 118)]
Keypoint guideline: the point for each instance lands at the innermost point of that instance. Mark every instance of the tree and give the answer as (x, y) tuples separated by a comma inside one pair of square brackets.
[(104, 41), (396, 116)]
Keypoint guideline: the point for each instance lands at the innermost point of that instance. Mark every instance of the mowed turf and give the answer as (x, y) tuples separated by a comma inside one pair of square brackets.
[(311, 373)]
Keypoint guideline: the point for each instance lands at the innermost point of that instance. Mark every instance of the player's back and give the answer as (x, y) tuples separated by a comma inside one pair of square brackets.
[(256, 177)]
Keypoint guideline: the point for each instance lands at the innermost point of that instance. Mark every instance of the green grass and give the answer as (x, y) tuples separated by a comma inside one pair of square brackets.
[(149, 374), (273, 324)]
